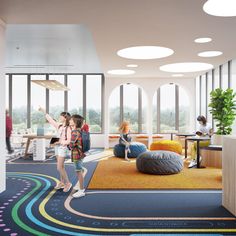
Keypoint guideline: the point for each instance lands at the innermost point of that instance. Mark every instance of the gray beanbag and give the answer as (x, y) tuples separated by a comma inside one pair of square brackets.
[(159, 162)]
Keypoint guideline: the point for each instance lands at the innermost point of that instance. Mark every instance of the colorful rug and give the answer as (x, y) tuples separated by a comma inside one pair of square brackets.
[(115, 173)]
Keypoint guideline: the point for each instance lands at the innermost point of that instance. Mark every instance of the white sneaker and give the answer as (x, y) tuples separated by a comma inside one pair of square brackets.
[(192, 164), (79, 194)]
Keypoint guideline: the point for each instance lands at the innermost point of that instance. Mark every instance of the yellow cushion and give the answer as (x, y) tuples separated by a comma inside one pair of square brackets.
[(167, 145)]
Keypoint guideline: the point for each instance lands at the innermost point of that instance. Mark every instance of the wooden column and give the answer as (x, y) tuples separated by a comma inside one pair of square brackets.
[(229, 173)]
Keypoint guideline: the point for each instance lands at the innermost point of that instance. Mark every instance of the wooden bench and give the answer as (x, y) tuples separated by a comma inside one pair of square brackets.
[(211, 156)]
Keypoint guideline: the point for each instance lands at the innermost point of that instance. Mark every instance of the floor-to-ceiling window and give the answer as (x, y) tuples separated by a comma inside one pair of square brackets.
[(171, 109), (203, 95), (114, 110), (167, 106), (56, 98), (184, 111), (128, 102), (233, 86), (224, 77), (94, 102), (209, 89), (19, 103), (75, 94), (84, 97), (7, 92), (38, 99)]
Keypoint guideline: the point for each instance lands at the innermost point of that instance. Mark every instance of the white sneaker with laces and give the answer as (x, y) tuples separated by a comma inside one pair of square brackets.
[(192, 164), (79, 194)]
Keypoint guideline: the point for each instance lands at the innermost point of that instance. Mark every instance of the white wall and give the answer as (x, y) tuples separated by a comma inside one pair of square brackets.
[(150, 85), (2, 109)]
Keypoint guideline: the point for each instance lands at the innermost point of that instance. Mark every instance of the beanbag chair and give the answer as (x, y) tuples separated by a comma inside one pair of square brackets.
[(167, 145), (159, 162), (136, 148)]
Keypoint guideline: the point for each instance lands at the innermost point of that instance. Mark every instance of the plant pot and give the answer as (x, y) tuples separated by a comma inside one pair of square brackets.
[(217, 139)]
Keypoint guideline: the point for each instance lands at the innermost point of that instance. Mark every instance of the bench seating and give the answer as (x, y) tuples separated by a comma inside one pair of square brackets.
[(211, 156)]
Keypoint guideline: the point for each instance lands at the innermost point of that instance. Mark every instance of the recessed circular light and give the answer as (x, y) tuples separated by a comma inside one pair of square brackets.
[(177, 75), (186, 67), (132, 65), (145, 52), (209, 54), (121, 72), (225, 8), (202, 40)]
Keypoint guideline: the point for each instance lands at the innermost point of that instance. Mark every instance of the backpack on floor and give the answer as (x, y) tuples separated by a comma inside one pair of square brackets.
[(86, 143)]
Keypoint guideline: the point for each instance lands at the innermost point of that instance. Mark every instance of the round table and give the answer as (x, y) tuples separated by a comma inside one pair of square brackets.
[(185, 135)]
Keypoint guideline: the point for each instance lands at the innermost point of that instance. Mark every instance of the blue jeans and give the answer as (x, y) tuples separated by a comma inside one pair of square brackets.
[(79, 165)]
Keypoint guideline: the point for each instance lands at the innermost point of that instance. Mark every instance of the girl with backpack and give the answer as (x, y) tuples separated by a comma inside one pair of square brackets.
[(63, 152), (77, 154)]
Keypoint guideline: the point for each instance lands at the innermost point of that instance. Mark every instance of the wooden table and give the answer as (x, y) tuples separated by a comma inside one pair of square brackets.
[(185, 135), (198, 140), (30, 137)]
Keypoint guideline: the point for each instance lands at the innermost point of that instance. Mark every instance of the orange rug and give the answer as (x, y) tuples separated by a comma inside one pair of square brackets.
[(115, 173)]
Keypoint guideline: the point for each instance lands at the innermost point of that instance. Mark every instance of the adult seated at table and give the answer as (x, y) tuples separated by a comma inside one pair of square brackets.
[(204, 129)]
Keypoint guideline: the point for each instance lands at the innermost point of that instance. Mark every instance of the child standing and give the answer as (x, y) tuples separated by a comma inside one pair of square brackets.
[(77, 155), (62, 151), (125, 138)]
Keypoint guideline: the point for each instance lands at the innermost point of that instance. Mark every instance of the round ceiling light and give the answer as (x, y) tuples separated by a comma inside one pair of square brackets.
[(145, 52), (177, 75), (120, 72), (210, 54), (132, 65), (186, 67), (225, 8), (202, 40)]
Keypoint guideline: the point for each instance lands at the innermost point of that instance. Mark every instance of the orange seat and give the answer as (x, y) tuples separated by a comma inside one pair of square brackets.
[(167, 145)]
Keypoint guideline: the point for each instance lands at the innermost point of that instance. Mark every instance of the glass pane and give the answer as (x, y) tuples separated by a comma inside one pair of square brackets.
[(216, 78), (38, 98), (19, 103), (203, 95), (75, 94), (7, 91), (144, 113), (93, 96), (114, 108), (225, 76), (197, 96), (233, 86), (56, 98), (131, 106), (154, 112), (167, 103), (209, 89), (184, 115)]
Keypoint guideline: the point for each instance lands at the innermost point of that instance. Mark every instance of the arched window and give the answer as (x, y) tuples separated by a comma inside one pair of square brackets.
[(171, 109), (128, 102)]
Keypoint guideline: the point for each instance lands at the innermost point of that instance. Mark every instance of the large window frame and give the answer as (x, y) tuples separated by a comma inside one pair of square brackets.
[(158, 109), (216, 73), (47, 100), (140, 109)]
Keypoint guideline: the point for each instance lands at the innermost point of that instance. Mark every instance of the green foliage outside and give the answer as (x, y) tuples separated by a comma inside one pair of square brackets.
[(223, 109)]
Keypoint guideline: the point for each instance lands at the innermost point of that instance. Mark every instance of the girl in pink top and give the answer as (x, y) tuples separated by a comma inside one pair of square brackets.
[(64, 131)]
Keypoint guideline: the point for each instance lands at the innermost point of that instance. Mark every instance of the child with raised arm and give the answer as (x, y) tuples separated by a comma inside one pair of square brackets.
[(77, 155), (64, 131)]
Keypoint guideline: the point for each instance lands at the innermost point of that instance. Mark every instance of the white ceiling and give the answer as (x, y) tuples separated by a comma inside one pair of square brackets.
[(119, 24), (50, 48)]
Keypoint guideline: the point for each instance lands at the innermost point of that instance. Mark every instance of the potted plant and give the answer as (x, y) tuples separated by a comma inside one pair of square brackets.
[(223, 110)]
